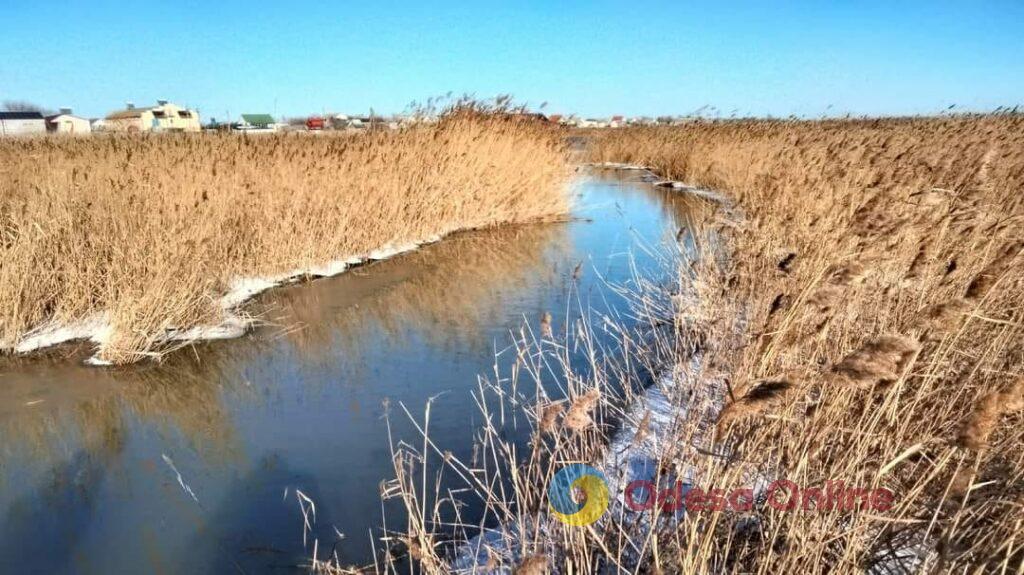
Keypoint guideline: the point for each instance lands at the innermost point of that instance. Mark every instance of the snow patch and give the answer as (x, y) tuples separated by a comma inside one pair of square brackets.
[(95, 328), (243, 289), (330, 269), (656, 181), (233, 326), (389, 250), (618, 166)]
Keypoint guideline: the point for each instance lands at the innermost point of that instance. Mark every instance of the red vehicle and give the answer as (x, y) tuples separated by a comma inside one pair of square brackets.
[(314, 123)]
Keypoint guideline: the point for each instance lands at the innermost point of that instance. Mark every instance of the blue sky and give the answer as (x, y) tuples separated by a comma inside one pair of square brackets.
[(599, 58)]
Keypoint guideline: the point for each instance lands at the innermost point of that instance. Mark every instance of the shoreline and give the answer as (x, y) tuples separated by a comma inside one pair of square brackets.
[(649, 421), (96, 328), (105, 243)]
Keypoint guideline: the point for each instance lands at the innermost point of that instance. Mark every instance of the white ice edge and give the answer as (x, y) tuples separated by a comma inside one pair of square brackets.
[(97, 328), (617, 166), (656, 180)]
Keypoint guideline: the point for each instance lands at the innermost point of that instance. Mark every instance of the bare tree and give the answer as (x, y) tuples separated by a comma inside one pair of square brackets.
[(23, 106)]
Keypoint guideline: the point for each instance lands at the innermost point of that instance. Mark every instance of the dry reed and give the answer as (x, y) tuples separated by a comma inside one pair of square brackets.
[(150, 231), (899, 226), (885, 253)]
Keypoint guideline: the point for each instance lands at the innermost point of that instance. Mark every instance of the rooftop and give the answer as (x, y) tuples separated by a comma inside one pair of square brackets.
[(20, 116), (258, 119), (127, 113)]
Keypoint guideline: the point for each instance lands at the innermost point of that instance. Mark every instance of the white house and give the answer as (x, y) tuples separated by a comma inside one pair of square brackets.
[(21, 123), (67, 123), (164, 117)]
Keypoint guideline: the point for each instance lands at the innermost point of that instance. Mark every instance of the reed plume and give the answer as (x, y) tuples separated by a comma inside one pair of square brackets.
[(975, 433), (578, 417), (880, 361)]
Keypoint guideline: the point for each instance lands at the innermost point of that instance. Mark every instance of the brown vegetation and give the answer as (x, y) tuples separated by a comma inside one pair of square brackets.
[(151, 230), (924, 220), (854, 315)]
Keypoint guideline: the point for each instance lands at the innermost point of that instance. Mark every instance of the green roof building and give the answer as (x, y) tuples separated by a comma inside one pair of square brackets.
[(258, 121)]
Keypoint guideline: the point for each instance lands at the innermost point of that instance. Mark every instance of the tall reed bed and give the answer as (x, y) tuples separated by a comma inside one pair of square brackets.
[(868, 321), (149, 231), (855, 315)]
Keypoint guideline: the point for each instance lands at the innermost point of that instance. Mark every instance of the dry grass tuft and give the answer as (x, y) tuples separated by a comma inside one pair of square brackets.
[(771, 394), (943, 317), (550, 415), (545, 325), (987, 278)]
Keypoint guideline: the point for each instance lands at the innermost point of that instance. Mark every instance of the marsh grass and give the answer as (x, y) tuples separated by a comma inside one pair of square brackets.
[(150, 230), (855, 315), (923, 220)]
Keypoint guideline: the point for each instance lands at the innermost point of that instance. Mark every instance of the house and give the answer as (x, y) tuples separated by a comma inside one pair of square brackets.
[(67, 123), (263, 122), (164, 117), (22, 123)]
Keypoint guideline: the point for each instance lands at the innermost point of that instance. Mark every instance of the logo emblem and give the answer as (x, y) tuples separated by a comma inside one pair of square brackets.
[(578, 495)]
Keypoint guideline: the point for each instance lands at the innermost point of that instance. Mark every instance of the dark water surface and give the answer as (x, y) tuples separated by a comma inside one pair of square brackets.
[(90, 457)]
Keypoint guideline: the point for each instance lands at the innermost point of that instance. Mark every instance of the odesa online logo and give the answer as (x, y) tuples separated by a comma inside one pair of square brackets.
[(563, 490)]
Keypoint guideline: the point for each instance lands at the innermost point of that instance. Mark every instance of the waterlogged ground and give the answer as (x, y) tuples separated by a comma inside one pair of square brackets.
[(192, 466)]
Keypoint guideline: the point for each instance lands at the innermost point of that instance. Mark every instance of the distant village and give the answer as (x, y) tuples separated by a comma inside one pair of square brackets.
[(166, 116)]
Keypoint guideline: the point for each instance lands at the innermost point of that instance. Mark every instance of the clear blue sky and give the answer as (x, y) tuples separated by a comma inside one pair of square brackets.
[(634, 58)]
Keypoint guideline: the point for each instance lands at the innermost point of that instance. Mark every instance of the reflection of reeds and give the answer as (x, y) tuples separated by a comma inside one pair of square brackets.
[(152, 229), (449, 293), (87, 407)]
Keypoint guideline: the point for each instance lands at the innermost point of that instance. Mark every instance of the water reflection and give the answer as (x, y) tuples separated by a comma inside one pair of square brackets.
[(84, 483), (453, 291)]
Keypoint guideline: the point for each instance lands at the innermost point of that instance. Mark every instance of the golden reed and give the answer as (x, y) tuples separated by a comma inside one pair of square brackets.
[(884, 261), (150, 230)]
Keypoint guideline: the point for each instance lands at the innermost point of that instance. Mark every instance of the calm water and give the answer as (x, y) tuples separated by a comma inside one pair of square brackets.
[(89, 458)]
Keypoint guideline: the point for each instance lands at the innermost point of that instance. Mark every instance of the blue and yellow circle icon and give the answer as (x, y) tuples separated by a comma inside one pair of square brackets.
[(578, 494)]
